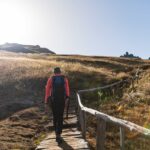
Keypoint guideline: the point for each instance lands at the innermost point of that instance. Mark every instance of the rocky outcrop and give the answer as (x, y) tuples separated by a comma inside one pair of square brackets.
[(14, 47)]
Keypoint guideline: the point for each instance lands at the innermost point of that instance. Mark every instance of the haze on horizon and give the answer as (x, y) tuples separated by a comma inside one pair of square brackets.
[(89, 27)]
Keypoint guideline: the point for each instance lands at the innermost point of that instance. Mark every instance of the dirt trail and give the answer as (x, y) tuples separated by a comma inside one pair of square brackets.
[(72, 137)]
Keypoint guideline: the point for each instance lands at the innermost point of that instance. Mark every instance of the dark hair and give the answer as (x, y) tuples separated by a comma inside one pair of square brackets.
[(57, 70)]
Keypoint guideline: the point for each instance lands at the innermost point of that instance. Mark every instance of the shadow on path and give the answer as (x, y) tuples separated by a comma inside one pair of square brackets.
[(65, 146)]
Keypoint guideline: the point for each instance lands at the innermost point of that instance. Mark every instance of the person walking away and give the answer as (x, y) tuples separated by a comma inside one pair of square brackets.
[(57, 94)]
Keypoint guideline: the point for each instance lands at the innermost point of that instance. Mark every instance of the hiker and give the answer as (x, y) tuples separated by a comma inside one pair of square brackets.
[(57, 95)]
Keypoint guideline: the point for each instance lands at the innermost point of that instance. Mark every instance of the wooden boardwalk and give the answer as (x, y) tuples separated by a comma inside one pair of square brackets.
[(72, 138)]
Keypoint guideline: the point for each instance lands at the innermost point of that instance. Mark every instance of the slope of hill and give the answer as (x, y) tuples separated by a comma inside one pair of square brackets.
[(22, 85), (19, 48)]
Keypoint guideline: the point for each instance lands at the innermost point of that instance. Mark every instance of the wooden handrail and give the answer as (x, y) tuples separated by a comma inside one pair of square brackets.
[(111, 85), (100, 88), (120, 122), (103, 118)]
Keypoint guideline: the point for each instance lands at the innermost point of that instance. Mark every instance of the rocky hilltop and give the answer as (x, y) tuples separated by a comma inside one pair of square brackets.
[(15, 47)]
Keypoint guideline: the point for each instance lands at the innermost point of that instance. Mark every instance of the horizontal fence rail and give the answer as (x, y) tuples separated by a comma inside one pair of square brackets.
[(131, 126), (103, 118), (113, 84), (100, 88)]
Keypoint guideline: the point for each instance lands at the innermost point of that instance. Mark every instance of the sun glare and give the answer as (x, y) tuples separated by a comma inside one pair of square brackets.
[(12, 21)]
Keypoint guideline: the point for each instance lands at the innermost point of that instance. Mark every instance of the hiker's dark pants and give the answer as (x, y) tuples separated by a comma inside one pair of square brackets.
[(58, 111)]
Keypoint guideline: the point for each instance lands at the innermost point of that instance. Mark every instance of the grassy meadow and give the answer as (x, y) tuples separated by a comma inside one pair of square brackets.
[(22, 88)]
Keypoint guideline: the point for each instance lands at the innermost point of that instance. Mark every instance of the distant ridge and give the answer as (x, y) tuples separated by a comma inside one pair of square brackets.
[(19, 48)]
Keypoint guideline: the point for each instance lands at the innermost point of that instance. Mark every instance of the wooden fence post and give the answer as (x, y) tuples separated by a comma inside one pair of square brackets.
[(101, 134), (83, 124), (132, 83), (110, 91), (76, 104), (117, 90), (113, 91), (80, 117), (78, 112), (137, 79), (122, 138)]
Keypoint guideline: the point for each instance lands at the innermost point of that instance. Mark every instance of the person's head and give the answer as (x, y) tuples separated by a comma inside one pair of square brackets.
[(57, 70)]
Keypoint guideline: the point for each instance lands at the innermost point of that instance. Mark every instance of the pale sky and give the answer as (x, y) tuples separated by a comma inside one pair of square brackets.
[(89, 27)]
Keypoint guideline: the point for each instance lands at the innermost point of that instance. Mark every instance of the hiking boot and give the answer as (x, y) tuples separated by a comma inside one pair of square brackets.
[(59, 139)]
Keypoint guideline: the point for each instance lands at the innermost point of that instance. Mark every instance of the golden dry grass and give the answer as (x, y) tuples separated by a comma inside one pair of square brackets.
[(22, 84), (134, 106)]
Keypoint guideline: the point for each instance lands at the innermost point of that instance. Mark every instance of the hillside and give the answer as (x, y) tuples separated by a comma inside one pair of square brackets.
[(19, 48), (23, 122)]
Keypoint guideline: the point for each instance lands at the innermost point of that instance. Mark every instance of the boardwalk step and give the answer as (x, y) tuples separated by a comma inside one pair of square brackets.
[(72, 138)]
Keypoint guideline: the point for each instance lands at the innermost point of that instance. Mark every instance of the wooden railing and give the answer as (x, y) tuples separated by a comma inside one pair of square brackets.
[(103, 118)]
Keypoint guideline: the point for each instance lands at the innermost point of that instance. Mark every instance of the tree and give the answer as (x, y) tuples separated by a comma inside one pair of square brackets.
[(128, 55)]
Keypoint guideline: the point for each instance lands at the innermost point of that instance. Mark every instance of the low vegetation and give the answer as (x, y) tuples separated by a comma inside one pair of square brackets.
[(22, 87)]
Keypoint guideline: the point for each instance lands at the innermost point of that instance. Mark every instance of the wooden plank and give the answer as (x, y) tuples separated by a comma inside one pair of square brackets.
[(122, 136), (72, 140), (100, 134)]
